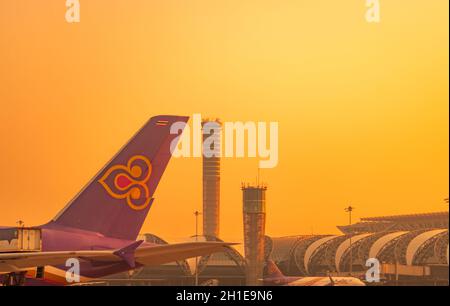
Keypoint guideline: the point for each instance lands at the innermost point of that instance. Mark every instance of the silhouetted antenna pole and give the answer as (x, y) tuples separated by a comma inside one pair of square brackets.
[(196, 214), (350, 210)]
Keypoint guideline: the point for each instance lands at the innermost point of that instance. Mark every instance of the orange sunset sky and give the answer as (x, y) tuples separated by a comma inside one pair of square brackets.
[(362, 108)]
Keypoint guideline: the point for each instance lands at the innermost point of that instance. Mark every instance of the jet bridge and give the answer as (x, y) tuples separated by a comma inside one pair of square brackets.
[(20, 239)]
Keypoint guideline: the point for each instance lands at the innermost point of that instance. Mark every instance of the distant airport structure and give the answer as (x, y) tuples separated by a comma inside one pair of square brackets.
[(211, 178), (415, 245), (254, 212), (413, 250)]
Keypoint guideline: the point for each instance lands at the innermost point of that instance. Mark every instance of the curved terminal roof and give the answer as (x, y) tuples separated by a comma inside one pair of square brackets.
[(345, 246), (282, 247), (300, 252), (310, 251), (413, 217), (418, 241), (380, 243)]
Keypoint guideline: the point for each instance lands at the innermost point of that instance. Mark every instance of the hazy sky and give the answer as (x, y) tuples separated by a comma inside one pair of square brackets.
[(362, 108)]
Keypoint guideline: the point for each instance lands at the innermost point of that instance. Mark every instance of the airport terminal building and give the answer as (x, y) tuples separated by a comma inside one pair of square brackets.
[(412, 249)]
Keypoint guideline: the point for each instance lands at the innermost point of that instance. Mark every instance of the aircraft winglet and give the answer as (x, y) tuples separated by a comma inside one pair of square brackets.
[(127, 253)]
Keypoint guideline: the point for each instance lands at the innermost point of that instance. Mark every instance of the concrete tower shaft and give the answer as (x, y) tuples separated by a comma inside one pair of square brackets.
[(211, 177)]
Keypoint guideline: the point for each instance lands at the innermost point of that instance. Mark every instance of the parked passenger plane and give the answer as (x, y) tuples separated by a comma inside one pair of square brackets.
[(99, 227), (276, 278)]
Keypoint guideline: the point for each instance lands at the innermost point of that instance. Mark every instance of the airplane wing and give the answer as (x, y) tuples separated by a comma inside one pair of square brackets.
[(16, 262), (155, 255), (173, 252)]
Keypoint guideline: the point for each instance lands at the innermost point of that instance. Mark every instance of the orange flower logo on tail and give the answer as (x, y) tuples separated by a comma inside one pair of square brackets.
[(130, 182)]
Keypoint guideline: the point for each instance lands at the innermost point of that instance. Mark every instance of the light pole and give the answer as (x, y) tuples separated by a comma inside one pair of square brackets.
[(350, 209), (196, 214)]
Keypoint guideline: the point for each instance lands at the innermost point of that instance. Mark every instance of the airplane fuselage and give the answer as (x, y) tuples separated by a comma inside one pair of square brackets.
[(56, 238)]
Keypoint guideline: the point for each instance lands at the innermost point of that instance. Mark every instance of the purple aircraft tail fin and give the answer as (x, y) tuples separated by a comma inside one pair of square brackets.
[(116, 202)]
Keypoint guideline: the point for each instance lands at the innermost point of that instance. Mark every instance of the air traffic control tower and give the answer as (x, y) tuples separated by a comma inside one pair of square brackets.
[(211, 177), (254, 201)]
